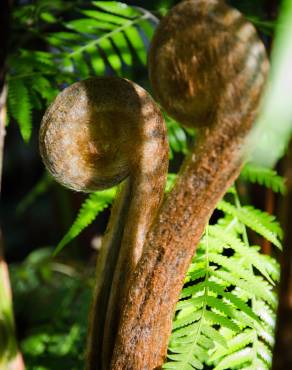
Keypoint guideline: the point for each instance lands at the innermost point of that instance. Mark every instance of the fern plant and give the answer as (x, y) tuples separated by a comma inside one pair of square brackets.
[(226, 314), (107, 38)]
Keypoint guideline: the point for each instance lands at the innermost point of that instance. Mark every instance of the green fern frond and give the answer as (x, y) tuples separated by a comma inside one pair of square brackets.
[(258, 221), (238, 342), (248, 253), (27, 86), (111, 36), (269, 221), (187, 319), (248, 282), (265, 313), (217, 319), (44, 88), (118, 8), (214, 335), (228, 299), (264, 176), (236, 360), (93, 205), (20, 107)]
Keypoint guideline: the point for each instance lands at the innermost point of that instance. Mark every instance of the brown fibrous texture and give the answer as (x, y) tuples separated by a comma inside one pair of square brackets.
[(208, 69), (96, 133), (201, 49), (91, 135)]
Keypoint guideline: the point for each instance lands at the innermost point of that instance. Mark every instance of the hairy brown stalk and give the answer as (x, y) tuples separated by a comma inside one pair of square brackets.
[(208, 69)]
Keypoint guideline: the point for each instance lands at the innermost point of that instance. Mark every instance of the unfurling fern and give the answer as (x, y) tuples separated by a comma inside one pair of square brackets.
[(226, 314)]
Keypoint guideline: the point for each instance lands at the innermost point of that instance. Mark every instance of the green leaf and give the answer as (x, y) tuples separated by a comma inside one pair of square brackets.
[(224, 321), (236, 359), (104, 17), (93, 205), (95, 59), (44, 88), (264, 176), (117, 8), (238, 342), (87, 25), (121, 44), (186, 320), (111, 55), (135, 39), (81, 65), (258, 221), (248, 253), (214, 334), (20, 107)]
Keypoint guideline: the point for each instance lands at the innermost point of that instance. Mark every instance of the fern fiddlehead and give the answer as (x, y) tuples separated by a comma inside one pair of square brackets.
[(97, 133), (208, 69)]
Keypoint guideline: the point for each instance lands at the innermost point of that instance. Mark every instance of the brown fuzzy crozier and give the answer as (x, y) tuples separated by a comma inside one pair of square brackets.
[(96, 133), (208, 69)]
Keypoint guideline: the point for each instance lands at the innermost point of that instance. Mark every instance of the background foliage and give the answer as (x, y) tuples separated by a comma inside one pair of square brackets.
[(226, 315)]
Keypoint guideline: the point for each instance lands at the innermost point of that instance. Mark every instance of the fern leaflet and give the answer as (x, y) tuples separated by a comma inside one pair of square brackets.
[(93, 205)]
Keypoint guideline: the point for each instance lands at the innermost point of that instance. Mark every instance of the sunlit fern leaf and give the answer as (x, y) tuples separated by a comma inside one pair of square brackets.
[(264, 352), (58, 39), (26, 61), (242, 278), (105, 40), (218, 319), (249, 253), (236, 343), (118, 8), (96, 62), (264, 176), (108, 37), (29, 85), (20, 107), (44, 88), (236, 359), (214, 335), (224, 295), (80, 65), (258, 221), (113, 58), (92, 206), (265, 313)]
